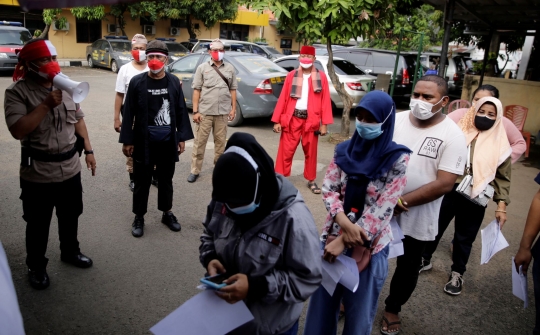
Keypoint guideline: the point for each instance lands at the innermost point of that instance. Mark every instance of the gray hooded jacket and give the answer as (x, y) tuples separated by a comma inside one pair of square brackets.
[(284, 248)]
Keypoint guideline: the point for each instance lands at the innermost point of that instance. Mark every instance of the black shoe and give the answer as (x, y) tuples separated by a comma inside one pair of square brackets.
[(192, 178), (455, 284), (155, 182), (425, 265), (170, 221), (80, 260), (39, 279), (132, 185), (137, 229)]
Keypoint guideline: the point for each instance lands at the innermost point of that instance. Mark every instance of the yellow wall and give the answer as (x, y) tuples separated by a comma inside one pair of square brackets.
[(274, 40), (512, 92)]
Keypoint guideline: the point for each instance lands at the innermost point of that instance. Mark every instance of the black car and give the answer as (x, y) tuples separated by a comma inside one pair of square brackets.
[(374, 62)]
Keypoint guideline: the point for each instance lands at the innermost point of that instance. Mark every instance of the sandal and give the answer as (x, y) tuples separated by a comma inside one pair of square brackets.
[(314, 188), (388, 325)]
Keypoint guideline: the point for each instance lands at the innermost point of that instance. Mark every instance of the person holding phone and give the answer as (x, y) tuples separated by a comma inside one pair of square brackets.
[(259, 231)]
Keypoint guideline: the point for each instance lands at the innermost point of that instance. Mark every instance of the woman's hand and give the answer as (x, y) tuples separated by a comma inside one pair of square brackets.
[(333, 249), (523, 258), (237, 288), (353, 234), (215, 267), (500, 213)]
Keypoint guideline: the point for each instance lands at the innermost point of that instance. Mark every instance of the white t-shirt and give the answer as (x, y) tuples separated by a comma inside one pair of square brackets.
[(10, 315), (440, 147), (127, 71), (302, 102)]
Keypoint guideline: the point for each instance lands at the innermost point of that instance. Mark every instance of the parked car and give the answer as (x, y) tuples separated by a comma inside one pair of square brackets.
[(259, 82), (110, 52), (455, 71), (189, 44), (374, 62), (357, 82), (176, 50), (260, 49), (12, 37)]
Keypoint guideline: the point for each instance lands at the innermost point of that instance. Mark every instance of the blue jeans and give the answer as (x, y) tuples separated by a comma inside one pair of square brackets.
[(360, 306), (536, 281), (293, 330)]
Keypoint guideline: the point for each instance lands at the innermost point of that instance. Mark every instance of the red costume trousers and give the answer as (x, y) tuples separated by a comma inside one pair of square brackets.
[(287, 147)]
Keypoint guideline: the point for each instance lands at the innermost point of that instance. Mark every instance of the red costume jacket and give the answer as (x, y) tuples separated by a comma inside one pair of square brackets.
[(319, 105)]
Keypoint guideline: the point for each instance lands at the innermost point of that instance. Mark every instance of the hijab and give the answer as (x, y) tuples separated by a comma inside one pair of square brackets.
[(365, 160), (234, 179), (492, 147)]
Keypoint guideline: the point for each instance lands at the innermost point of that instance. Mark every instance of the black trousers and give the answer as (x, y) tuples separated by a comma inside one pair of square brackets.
[(406, 275), (468, 219), (38, 200), (143, 178)]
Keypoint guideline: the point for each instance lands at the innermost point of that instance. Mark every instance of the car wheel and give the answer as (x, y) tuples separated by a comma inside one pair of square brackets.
[(114, 66), (90, 62), (238, 118)]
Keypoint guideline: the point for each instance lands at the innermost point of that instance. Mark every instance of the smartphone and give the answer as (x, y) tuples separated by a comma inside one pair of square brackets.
[(215, 282)]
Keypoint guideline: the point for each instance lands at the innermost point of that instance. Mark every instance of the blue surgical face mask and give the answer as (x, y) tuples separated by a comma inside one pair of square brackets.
[(370, 131), (247, 209)]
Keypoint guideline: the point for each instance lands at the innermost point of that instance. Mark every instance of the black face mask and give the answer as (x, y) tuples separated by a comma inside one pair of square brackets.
[(483, 123)]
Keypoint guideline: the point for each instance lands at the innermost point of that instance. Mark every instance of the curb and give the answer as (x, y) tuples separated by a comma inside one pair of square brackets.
[(73, 63)]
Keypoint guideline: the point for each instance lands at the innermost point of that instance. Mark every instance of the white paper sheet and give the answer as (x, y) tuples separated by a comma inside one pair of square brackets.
[(396, 249), (328, 283), (493, 241), (350, 278), (343, 271), (520, 286), (192, 317)]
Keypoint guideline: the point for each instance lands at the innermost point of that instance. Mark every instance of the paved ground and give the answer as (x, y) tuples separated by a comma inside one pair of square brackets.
[(136, 282)]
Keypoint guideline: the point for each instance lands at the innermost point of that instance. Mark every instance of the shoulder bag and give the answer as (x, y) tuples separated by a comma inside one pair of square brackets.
[(221, 75), (361, 254), (465, 187)]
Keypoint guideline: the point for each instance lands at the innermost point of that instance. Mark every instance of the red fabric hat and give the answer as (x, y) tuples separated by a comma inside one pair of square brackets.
[(307, 50), (30, 52)]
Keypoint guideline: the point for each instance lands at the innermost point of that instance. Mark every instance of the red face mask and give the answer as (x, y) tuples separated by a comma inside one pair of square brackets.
[(48, 71), (138, 55), (155, 65)]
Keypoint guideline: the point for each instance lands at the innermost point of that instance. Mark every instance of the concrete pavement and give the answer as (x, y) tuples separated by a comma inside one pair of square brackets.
[(134, 283)]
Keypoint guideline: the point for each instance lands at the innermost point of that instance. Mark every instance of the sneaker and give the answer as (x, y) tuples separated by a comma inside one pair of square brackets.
[(425, 265), (137, 229), (455, 284), (132, 185), (170, 221)]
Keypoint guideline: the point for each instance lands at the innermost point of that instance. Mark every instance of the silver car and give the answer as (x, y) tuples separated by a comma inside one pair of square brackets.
[(255, 48), (259, 82), (111, 52), (357, 83)]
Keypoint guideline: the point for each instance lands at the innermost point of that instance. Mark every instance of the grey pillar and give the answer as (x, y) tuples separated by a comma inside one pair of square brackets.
[(526, 55), (448, 19)]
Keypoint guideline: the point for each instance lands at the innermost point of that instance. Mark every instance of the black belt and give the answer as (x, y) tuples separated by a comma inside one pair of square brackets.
[(43, 156), (300, 113)]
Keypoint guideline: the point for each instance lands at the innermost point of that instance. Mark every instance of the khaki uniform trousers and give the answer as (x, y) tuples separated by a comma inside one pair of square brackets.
[(217, 124)]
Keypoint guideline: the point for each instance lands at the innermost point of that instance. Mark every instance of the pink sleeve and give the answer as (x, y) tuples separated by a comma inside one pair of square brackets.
[(515, 138), (458, 114), (332, 189)]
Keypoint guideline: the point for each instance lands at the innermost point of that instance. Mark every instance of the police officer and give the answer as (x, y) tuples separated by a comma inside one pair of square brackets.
[(51, 129)]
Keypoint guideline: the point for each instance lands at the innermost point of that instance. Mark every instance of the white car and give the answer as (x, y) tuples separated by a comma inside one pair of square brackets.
[(357, 82)]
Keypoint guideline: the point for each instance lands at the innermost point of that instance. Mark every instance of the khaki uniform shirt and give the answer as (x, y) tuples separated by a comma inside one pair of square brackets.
[(215, 98), (55, 134)]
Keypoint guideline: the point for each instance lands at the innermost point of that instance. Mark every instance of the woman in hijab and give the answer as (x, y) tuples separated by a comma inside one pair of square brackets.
[(361, 188), (490, 160), (259, 231)]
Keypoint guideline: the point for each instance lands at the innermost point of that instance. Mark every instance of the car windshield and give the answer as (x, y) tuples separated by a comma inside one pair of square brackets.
[(273, 51), (121, 46), (344, 67), (14, 37), (258, 64), (176, 47)]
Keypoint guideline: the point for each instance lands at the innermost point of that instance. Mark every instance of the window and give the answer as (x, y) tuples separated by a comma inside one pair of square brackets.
[(358, 58), (177, 47), (96, 44), (186, 65), (289, 64), (346, 68), (14, 37), (102, 45), (385, 60), (255, 64), (273, 51), (121, 46), (257, 50), (229, 31), (87, 30)]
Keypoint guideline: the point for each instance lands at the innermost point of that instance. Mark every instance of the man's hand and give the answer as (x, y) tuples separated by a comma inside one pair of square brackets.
[(333, 249), (215, 267), (323, 130), (127, 149), (353, 235), (117, 125), (181, 147), (197, 118), (53, 99), (91, 163), (236, 290), (523, 258), (401, 207), (500, 213), (277, 128), (232, 114)]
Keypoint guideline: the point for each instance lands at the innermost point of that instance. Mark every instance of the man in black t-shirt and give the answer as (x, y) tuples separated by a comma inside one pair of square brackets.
[(156, 103)]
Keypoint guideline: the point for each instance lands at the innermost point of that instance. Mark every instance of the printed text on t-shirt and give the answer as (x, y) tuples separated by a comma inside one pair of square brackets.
[(430, 147), (158, 91)]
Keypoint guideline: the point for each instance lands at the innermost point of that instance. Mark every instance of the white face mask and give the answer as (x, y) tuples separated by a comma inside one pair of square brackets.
[(306, 66), (422, 109)]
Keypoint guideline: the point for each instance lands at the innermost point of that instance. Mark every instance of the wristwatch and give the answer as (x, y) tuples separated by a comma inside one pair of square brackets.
[(89, 152), (195, 112)]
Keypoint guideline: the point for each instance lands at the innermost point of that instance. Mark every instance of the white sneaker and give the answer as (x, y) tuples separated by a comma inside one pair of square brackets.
[(455, 284), (425, 265)]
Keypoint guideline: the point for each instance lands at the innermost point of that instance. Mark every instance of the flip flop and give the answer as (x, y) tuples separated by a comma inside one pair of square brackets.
[(388, 325), (314, 188)]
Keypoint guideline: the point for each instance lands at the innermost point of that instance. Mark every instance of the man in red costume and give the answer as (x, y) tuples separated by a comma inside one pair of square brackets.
[(302, 112)]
